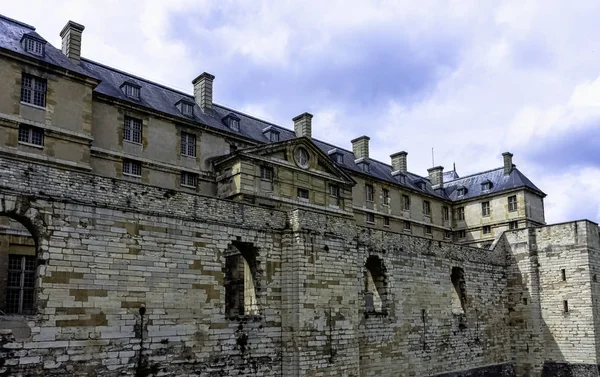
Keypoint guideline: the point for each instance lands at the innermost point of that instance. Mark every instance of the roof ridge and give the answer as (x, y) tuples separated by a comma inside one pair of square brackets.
[(267, 122), (3, 17), (474, 174), (136, 77)]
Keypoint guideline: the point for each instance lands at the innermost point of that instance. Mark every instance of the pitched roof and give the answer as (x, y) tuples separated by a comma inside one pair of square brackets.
[(163, 99), (11, 33)]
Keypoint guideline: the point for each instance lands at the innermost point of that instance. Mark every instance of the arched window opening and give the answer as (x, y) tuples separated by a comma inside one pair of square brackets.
[(375, 286), (18, 268), (459, 293), (241, 280)]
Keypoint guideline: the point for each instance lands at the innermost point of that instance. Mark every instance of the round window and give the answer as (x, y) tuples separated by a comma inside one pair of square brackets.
[(302, 157)]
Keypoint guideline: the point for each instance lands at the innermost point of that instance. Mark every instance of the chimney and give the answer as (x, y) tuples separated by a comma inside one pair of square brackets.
[(399, 162), (360, 147), (508, 165), (436, 176), (71, 41), (203, 91), (303, 125)]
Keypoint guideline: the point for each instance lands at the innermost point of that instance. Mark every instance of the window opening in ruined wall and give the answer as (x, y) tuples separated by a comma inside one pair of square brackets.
[(459, 293), (18, 265), (375, 286), (241, 280)]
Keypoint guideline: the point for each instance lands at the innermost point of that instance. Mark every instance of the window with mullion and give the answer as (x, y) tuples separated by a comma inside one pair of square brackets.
[(31, 135), (132, 130), (20, 285), (188, 144), (33, 90)]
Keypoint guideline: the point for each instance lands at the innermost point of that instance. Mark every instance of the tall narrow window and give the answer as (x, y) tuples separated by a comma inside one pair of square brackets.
[(33, 90), (407, 226), (20, 285), (459, 296), (512, 203), (241, 283), (566, 306), (460, 213), (386, 221), (266, 173), (426, 208), (132, 130), (375, 285), (188, 144), (406, 202), (563, 275), (485, 209), (369, 193), (370, 218), (131, 167), (386, 196), (428, 230), (31, 135)]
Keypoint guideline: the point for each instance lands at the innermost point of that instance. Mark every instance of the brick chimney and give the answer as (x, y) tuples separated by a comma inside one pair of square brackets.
[(71, 41), (360, 147), (436, 176), (203, 91), (303, 125), (399, 162), (508, 164)]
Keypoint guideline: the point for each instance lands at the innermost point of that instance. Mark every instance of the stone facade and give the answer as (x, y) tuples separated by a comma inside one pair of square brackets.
[(212, 243)]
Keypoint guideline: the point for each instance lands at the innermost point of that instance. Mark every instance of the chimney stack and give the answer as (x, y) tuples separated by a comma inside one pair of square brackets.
[(360, 147), (508, 165), (399, 162), (303, 125), (71, 41), (436, 176), (203, 91)]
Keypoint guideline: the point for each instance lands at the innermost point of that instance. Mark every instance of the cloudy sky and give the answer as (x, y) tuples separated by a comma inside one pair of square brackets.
[(470, 79)]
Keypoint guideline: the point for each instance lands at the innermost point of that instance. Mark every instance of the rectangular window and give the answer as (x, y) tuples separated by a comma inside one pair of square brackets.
[(512, 203), (132, 130), (266, 173), (386, 221), (31, 135), (370, 218), (407, 226), (461, 234), (513, 225), (485, 209), (131, 91), (188, 144), (302, 194), (334, 191), (426, 208), (33, 46), (487, 229), (446, 213), (20, 284), (563, 275), (189, 179), (187, 109), (566, 306), (386, 196), (447, 234), (427, 230), (460, 213), (406, 202), (273, 136), (131, 167), (369, 193), (33, 90)]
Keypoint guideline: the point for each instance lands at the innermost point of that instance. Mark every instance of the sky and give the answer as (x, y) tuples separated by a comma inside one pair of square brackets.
[(470, 79)]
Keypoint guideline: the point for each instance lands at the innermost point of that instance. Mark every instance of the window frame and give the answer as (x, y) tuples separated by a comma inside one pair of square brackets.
[(369, 193), (486, 186), (33, 46), (301, 197), (512, 225), (446, 213), (427, 208), (267, 173), (485, 209), (334, 190), (188, 144), (186, 176), (460, 213), (131, 91), (407, 226), (25, 262), (386, 196), (34, 90), (512, 205), (187, 109), (461, 234), (405, 202), (370, 218), (428, 230), (486, 229), (132, 163), (386, 221), (30, 133), (130, 131)]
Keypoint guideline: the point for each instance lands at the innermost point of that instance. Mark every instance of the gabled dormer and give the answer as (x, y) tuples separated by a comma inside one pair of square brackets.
[(33, 44), (131, 89), (336, 155), (232, 121), (486, 185), (271, 133), (363, 164), (461, 191), (185, 107), (421, 184)]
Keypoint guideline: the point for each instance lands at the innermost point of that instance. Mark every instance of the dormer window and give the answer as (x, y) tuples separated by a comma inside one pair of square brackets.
[(486, 186), (33, 45), (232, 121), (461, 191), (421, 184), (131, 89), (271, 133), (336, 155), (186, 108)]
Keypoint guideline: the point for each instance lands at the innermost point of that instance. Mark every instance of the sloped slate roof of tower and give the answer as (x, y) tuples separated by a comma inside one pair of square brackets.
[(500, 182), (11, 33), (163, 99)]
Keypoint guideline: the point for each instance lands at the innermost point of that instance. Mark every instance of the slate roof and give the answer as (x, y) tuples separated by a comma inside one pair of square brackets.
[(11, 33), (163, 99)]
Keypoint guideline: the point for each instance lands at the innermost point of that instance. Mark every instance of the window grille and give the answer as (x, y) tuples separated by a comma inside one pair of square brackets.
[(266, 173), (31, 135), (33, 90), (369, 193), (512, 203), (20, 285), (485, 209), (33, 46), (188, 144), (131, 167), (132, 130), (189, 179)]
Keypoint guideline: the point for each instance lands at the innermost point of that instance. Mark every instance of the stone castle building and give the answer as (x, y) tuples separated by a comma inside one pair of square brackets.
[(149, 232)]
